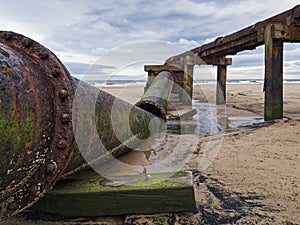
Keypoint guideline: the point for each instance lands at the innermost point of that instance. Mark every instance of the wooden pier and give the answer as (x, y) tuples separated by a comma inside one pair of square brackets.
[(272, 33)]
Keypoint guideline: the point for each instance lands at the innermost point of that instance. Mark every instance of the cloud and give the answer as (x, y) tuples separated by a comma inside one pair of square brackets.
[(248, 58), (82, 31), (188, 44), (76, 68)]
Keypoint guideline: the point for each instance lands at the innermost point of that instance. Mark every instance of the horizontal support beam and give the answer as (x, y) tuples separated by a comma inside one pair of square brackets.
[(158, 68), (222, 61), (229, 45), (286, 33), (195, 60)]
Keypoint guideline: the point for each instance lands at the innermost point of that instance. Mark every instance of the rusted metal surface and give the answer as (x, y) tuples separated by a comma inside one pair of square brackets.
[(182, 76), (36, 136), (37, 122), (156, 98), (246, 39)]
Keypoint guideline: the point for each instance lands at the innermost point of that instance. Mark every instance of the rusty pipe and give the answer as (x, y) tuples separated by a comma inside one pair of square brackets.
[(39, 122), (156, 97), (112, 127)]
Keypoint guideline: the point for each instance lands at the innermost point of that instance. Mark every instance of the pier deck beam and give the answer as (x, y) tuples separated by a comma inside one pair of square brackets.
[(273, 86)]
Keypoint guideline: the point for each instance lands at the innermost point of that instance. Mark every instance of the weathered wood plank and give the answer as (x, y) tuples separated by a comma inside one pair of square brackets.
[(158, 68), (89, 197)]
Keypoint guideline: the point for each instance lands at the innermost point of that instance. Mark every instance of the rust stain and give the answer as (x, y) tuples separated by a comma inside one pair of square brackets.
[(34, 91), (33, 55), (9, 72), (28, 143), (17, 109)]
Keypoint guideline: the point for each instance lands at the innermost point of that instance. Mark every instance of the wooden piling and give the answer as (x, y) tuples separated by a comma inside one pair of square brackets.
[(273, 86), (221, 84)]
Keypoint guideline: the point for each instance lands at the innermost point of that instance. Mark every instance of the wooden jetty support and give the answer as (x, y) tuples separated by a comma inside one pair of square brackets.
[(272, 33)]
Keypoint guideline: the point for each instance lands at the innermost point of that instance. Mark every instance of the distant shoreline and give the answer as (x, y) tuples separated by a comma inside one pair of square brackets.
[(107, 83)]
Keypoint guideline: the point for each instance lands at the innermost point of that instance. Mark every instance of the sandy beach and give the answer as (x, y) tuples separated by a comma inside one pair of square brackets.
[(253, 174)]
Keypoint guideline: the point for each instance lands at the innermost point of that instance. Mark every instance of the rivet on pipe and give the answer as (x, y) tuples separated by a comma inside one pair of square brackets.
[(43, 55), (65, 117), (62, 144), (63, 93), (13, 206), (51, 168), (55, 72)]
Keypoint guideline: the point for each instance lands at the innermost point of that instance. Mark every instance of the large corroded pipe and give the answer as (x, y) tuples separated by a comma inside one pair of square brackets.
[(39, 119), (156, 97)]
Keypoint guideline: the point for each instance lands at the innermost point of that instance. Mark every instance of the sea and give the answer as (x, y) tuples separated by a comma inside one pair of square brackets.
[(121, 82)]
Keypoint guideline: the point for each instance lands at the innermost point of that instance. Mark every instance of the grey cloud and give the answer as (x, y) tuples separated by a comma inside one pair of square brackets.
[(96, 27), (99, 11), (84, 68)]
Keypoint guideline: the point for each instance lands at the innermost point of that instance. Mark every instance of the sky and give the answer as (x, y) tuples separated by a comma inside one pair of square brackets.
[(107, 37)]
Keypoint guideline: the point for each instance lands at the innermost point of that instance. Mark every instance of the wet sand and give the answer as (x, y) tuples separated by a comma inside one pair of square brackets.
[(248, 175)]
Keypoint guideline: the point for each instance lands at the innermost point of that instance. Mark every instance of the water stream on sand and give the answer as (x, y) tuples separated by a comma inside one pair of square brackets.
[(180, 134), (209, 119)]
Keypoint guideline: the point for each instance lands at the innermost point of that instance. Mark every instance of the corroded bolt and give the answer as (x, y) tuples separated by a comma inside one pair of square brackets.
[(65, 117), (55, 72), (62, 144), (8, 37), (51, 168), (13, 206), (63, 93), (43, 55), (26, 42), (34, 190)]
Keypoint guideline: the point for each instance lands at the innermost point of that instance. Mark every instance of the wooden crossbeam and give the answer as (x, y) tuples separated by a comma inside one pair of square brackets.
[(158, 68)]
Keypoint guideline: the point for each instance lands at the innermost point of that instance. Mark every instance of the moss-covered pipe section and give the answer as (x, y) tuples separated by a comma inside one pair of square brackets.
[(156, 97)]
